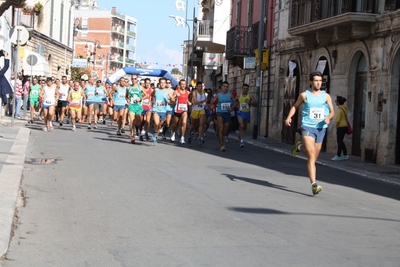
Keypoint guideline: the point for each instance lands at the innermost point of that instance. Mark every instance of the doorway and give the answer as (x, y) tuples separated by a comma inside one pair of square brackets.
[(359, 107)]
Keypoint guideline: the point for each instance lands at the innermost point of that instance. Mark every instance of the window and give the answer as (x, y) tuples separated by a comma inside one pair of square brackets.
[(85, 24)]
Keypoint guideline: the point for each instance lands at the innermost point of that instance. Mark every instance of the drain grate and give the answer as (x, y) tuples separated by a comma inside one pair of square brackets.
[(41, 161)]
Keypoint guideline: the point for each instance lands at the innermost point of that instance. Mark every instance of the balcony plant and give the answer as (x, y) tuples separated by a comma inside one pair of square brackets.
[(16, 3), (38, 8), (27, 10)]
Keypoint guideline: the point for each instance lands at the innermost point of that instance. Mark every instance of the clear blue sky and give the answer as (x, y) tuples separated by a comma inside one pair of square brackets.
[(158, 39)]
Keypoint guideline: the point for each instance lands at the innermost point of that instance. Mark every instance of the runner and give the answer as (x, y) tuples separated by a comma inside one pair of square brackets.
[(169, 109), (199, 99), (134, 98), (109, 107), (34, 92), (244, 101), (62, 104), (224, 107), (89, 91), (161, 98), (145, 118), (181, 96), (317, 114), (118, 100), (49, 94), (99, 98), (75, 104)]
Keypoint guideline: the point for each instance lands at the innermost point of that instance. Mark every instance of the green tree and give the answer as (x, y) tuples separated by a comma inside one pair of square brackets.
[(176, 71), (76, 73)]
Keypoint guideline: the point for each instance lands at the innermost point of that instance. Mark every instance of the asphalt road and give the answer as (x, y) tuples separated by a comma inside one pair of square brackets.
[(93, 199)]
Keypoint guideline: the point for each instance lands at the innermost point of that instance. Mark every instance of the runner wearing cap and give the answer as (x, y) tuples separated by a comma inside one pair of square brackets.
[(99, 98)]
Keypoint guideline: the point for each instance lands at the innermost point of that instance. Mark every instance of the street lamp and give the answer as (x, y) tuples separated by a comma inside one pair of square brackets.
[(182, 22)]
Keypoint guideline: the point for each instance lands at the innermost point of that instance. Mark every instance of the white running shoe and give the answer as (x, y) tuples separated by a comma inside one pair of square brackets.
[(183, 140), (173, 137)]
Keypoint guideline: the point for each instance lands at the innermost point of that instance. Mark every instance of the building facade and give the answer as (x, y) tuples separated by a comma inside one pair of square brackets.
[(106, 38)]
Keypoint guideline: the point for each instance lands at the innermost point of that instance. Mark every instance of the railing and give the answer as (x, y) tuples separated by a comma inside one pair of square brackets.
[(307, 11), (28, 19), (241, 40), (117, 44), (392, 5), (118, 15), (204, 28)]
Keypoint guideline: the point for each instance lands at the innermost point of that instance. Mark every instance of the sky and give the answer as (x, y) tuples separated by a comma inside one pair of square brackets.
[(158, 38)]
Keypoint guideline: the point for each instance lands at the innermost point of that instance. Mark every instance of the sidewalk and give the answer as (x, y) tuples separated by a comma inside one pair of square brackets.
[(13, 144), (384, 173)]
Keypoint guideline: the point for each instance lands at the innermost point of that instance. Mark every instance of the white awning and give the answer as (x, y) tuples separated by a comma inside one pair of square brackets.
[(39, 66)]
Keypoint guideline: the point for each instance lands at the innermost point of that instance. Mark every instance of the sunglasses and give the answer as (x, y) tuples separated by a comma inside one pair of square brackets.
[(168, 82)]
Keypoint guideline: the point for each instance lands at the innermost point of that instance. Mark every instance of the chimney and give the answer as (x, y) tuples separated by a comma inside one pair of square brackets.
[(114, 9)]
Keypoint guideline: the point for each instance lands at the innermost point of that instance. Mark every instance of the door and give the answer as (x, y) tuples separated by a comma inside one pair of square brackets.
[(289, 98), (359, 113)]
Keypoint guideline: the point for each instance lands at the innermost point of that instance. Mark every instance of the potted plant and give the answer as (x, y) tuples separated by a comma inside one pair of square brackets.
[(38, 8), (27, 10)]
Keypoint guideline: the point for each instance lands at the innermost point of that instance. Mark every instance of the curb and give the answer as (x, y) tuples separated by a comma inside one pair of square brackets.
[(10, 182)]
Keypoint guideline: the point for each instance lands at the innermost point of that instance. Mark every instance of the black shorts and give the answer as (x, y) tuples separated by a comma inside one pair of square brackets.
[(62, 104)]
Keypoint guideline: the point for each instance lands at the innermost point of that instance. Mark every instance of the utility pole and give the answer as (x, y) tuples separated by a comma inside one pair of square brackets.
[(258, 82)]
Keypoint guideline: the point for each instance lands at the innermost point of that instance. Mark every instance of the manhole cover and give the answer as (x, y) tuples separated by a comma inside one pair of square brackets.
[(41, 161)]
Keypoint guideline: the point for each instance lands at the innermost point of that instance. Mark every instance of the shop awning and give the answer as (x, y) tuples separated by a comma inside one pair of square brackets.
[(35, 64)]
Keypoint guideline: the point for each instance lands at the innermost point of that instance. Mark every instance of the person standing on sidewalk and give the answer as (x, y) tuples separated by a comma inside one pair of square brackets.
[(5, 87), (18, 96), (316, 116), (341, 129)]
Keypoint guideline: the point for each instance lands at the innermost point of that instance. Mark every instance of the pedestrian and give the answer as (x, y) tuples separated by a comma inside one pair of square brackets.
[(316, 116), (5, 87), (341, 129), (18, 93)]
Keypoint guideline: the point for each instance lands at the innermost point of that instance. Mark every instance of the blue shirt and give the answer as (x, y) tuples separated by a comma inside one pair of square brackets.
[(315, 110), (120, 96), (100, 96), (160, 100), (89, 92), (224, 102)]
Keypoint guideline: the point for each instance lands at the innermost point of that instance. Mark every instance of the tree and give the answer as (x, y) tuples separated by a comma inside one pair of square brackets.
[(176, 71), (76, 73)]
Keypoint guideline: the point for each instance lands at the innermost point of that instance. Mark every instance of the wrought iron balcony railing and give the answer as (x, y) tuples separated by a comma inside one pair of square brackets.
[(241, 40), (307, 11)]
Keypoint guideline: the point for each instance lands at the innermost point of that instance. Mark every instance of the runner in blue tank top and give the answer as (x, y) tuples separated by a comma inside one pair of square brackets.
[(161, 98), (317, 114), (224, 107), (118, 100), (90, 99)]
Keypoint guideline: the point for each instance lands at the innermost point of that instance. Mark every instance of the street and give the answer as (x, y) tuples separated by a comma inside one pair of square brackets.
[(94, 199)]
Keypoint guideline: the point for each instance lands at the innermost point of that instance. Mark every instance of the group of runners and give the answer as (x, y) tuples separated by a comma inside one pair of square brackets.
[(143, 107), (165, 108)]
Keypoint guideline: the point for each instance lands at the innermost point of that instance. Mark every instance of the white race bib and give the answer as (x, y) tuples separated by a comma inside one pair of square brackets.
[(225, 106), (134, 100), (75, 102), (35, 92), (49, 102), (182, 107), (316, 113), (121, 95), (244, 106), (145, 102), (201, 106)]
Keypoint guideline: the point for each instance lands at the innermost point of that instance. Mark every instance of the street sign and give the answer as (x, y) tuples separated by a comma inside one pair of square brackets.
[(23, 35), (80, 63), (31, 60)]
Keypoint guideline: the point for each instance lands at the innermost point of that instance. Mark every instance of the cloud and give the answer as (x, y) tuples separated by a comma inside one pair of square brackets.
[(163, 55)]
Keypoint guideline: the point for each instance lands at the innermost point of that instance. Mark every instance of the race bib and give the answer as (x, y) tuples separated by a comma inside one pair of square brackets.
[(75, 103), (48, 102), (89, 94), (225, 106), (244, 106), (34, 92), (201, 106), (182, 107), (134, 100), (160, 103), (121, 95), (145, 102), (316, 113)]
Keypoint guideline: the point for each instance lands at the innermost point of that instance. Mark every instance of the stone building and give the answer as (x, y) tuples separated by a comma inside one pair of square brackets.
[(356, 45)]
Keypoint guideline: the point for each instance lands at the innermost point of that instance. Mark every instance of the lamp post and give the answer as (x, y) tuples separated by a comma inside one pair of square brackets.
[(96, 46)]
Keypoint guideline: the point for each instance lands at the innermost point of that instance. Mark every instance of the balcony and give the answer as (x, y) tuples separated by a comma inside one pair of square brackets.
[(120, 45), (204, 36), (331, 20), (241, 41), (120, 30), (28, 19)]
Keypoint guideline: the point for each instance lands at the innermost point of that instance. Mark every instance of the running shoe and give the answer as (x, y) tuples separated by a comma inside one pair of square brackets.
[(155, 141), (345, 157), (51, 125), (172, 137), (337, 158), (147, 136), (133, 139), (226, 139), (222, 148), (31, 121), (89, 126), (141, 138), (61, 124), (241, 143), (182, 140), (122, 130), (295, 149), (118, 132), (95, 126), (73, 128), (45, 129), (200, 141), (104, 121), (316, 189)]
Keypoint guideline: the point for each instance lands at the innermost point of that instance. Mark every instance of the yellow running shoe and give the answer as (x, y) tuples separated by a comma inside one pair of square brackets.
[(295, 149), (316, 189)]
